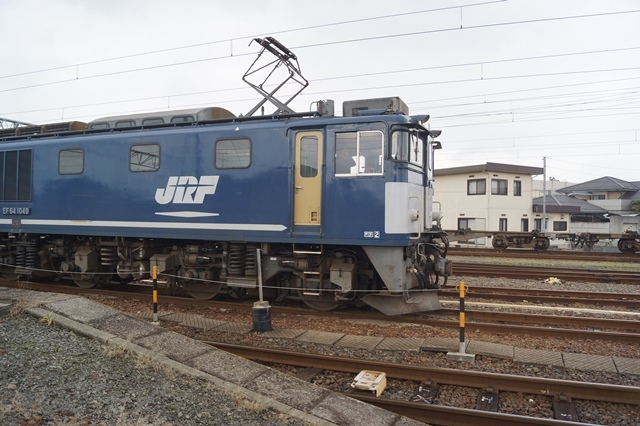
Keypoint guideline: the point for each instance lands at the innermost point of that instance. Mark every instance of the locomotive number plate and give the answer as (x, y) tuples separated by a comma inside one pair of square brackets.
[(16, 210)]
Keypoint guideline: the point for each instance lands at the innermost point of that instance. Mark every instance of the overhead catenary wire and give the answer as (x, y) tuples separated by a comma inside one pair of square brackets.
[(525, 107)]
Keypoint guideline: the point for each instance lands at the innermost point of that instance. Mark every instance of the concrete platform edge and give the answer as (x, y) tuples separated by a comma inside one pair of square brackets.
[(229, 388)]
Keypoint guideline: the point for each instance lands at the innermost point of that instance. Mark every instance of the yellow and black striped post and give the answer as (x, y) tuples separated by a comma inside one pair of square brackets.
[(463, 290), (154, 275)]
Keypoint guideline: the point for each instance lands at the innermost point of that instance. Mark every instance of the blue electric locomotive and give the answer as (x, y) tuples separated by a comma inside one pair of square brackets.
[(324, 209)]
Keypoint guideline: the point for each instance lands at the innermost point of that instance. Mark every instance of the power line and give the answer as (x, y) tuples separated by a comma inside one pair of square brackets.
[(231, 40), (472, 27), (78, 77), (546, 135)]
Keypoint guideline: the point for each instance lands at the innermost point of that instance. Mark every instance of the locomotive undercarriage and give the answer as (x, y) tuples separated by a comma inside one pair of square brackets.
[(323, 277)]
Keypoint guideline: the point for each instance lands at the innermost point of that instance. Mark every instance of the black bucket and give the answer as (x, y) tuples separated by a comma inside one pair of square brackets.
[(262, 320)]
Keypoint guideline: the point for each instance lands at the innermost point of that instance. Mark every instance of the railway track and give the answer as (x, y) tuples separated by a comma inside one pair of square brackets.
[(468, 269), (549, 255), (563, 297), (440, 414), (481, 321)]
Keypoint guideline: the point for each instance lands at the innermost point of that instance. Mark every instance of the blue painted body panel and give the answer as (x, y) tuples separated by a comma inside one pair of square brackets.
[(252, 204)]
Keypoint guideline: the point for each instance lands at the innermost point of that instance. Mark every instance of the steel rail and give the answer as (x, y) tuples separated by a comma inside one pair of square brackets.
[(544, 331), (445, 415), (535, 254), (524, 271), (533, 297), (466, 378), (600, 323), (543, 292)]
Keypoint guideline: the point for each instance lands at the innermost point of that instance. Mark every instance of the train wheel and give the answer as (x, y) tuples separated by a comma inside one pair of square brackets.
[(541, 244), (8, 273), (499, 243), (626, 245), (323, 303), (10, 277), (92, 280), (202, 290)]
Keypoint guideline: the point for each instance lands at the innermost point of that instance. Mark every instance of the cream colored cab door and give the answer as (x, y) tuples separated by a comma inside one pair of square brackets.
[(308, 179)]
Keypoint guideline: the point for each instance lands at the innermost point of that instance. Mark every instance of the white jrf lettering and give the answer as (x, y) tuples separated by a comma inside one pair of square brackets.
[(187, 189)]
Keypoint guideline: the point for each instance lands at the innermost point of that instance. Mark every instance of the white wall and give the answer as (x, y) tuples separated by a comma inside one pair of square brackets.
[(487, 209)]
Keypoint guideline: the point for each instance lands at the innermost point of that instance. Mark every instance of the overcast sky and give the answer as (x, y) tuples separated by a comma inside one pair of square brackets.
[(506, 81)]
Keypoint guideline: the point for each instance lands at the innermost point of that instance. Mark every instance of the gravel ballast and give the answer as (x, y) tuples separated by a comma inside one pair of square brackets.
[(51, 376), (56, 377)]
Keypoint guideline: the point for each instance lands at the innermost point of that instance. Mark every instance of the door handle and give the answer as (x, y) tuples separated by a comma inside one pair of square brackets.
[(298, 187)]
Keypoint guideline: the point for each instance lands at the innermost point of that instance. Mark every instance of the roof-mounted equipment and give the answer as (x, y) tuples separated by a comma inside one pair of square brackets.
[(262, 73)]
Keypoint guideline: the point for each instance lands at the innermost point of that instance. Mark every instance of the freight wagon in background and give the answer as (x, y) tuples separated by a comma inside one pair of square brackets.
[(323, 209)]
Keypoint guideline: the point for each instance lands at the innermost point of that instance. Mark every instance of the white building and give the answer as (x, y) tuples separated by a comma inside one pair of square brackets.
[(496, 197), (487, 197)]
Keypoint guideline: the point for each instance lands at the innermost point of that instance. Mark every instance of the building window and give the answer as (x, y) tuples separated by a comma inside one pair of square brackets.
[(517, 188), (71, 161), (359, 153), (524, 225), (598, 197), (499, 186), (144, 158), (15, 175), (537, 224), (233, 154), (465, 223), (559, 225), (502, 225), (476, 186)]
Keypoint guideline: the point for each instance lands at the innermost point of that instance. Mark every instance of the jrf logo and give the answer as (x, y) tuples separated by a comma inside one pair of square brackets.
[(187, 189)]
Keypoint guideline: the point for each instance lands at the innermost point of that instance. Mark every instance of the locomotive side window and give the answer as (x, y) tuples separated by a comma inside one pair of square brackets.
[(144, 158), (233, 154), (359, 153), (407, 146), (71, 161), (15, 175)]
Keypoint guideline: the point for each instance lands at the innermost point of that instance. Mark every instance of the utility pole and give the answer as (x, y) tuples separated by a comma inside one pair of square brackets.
[(544, 194)]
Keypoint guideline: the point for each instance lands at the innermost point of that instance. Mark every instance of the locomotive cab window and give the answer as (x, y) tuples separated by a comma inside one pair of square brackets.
[(233, 154), (71, 161), (144, 158), (408, 146), (359, 153)]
